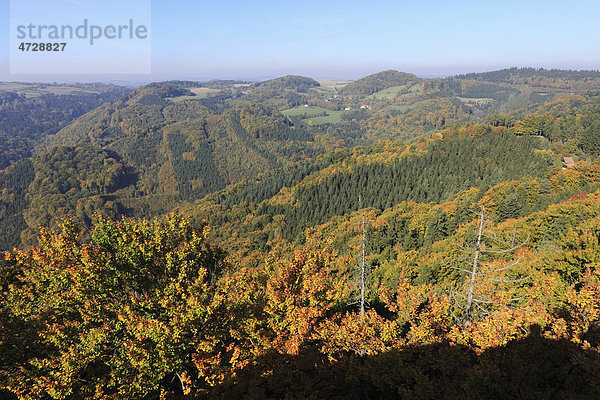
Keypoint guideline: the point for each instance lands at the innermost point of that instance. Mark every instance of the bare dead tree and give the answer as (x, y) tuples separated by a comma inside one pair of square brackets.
[(361, 275), (468, 301), (363, 269)]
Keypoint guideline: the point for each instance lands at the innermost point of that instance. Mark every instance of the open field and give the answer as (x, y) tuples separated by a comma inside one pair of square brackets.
[(389, 93), (395, 91), (323, 90), (476, 101), (333, 84), (309, 111), (312, 115), (401, 108), (199, 93), (332, 118), (35, 89), (415, 88), (204, 92)]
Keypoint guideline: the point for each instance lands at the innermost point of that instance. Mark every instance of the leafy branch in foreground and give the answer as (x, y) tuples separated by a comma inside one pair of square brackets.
[(120, 317)]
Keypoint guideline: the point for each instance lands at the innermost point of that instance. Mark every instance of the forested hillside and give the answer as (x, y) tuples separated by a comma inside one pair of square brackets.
[(29, 113), (176, 142), (384, 176), (577, 80), (376, 82)]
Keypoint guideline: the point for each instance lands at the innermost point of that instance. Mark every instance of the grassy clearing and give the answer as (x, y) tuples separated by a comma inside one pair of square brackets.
[(395, 91), (313, 115), (479, 102), (415, 88), (35, 90), (403, 107), (389, 93), (199, 93), (309, 111), (333, 84), (204, 92), (333, 118), (323, 90)]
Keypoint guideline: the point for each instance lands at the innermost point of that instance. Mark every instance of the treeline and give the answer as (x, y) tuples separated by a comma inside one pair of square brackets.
[(14, 182), (271, 182), (487, 90), (195, 172), (580, 81)]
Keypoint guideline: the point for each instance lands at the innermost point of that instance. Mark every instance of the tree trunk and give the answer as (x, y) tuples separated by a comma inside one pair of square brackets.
[(469, 306)]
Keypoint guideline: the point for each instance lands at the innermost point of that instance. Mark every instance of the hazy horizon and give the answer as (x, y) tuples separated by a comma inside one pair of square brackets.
[(143, 80), (345, 40)]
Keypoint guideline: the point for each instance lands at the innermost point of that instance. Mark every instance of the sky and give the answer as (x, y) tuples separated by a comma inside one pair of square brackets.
[(260, 39)]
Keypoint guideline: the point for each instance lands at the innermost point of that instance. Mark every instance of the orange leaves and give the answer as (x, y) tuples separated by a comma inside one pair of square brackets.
[(407, 299), (421, 316), (299, 294), (498, 328), (432, 324), (584, 306), (369, 334), (563, 312), (145, 303)]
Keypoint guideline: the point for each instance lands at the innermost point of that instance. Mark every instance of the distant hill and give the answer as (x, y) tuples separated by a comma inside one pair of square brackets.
[(509, 74), (289, 82), (376, 82), (574, 81)]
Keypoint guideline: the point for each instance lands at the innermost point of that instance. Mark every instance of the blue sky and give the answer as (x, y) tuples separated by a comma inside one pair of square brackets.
[(245, 39)]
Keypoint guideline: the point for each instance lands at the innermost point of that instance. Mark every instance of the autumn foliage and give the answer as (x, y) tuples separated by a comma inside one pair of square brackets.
[(149, 309)]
